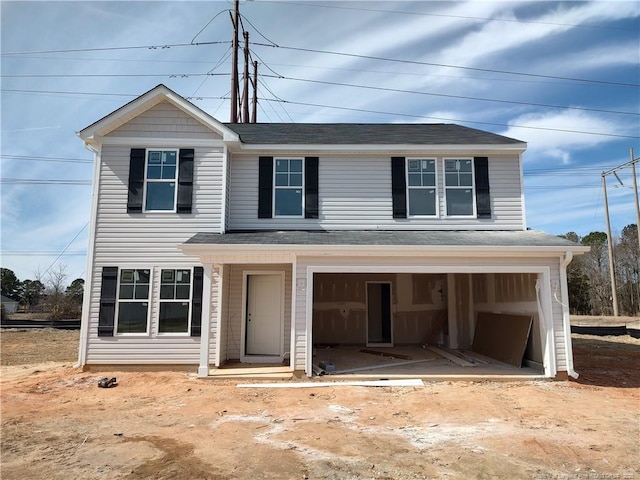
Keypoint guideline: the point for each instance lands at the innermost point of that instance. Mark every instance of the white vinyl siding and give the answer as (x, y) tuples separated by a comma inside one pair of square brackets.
[(354, 192), (149, 240), (164, 120)]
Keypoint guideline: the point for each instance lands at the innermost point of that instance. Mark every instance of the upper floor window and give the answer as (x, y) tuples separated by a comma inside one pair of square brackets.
[(421, 186), (133, 301), (160, 180), (175, 301), (288, 187), (459, 187)]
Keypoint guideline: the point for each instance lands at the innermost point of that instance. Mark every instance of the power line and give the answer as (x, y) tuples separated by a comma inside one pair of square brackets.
[(444, 95), (415, 62), (457, 120), (33, 181), (103, 49), (422, 75), (351, 109), (58, 92), (208, 23), (18, 253), (463, 17), (65, 249), (45, 159), (100, 75)]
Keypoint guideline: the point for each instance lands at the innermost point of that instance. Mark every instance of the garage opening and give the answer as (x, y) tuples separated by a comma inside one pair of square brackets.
[(419, 323)]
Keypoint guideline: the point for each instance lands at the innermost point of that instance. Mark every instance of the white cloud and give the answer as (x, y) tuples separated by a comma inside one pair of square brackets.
[(555, 134)]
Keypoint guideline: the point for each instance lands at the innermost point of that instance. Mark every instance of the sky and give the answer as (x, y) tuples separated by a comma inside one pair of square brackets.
[(562, 76)]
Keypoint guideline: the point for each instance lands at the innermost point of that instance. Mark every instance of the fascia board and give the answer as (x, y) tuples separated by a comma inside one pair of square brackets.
[(377, 148), (383, 250)]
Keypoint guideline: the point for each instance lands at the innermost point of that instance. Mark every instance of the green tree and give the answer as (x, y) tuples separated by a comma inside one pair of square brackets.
[(577, 281), (32, 291), (75, 292), (11, 286)]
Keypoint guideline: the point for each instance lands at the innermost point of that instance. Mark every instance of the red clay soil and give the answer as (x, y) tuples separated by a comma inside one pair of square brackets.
[(57, 424)]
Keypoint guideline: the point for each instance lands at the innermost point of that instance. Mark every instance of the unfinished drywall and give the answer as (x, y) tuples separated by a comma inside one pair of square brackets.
[(339, 306), (510, 293), (502, 336)]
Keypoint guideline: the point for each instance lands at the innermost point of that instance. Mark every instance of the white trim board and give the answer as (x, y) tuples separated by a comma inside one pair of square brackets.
[(410, 382), (244, 357)]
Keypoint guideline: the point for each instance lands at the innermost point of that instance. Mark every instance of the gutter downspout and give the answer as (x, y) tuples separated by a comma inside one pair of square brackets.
[(88, 284), (566, 321)]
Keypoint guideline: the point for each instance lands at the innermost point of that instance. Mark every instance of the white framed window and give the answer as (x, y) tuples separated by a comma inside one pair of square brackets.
[(288, 187), (132, 311), (174, 314), (422, 187), (459, 187), (160, 180)]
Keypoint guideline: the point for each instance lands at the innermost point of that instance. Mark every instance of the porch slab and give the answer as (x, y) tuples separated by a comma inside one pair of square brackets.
[(251, 371)]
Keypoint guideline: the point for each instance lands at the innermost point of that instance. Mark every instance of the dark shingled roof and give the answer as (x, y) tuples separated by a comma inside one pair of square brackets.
[(518, 238), (365, 134)]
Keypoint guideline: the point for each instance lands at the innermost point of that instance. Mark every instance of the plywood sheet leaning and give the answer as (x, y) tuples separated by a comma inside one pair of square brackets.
[(503, 337)]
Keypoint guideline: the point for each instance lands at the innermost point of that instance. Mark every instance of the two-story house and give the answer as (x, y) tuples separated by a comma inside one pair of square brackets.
[(213, 242)]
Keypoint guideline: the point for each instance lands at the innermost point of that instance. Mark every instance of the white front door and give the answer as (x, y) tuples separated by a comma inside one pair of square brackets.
[(264, 314)]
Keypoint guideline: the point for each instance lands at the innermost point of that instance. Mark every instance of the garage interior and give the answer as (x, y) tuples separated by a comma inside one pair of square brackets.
[(407, 324)]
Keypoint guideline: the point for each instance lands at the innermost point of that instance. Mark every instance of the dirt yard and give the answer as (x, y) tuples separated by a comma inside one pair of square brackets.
[(57, 424)]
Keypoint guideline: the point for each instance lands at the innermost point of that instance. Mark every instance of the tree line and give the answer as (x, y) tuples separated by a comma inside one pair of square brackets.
[(49, 295), (589, 279)]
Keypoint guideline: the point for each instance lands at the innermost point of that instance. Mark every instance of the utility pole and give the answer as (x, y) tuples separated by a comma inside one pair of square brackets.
[(612, 273), (234, 63), (245, 94), (632, 163), (254, 107)]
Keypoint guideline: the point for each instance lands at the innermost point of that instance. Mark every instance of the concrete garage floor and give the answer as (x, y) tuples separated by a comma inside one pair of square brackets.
[(421, 362)]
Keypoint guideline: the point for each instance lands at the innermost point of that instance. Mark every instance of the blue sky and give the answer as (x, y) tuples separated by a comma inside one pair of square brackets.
[(562, 76)]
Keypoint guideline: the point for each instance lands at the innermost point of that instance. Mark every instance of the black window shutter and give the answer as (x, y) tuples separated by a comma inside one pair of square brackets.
[(311, 187), (108, 292), (185, 180), (196, 302), (136, 180), (398, 187), (265, 187), (483, 198)]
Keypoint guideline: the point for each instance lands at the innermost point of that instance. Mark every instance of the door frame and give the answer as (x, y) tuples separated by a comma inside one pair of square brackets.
[(244, 357), (376, 344)]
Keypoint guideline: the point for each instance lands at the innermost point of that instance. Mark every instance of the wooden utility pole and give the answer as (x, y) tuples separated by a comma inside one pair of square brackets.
[(254, 107), (245, 93), (234, 64), (631, 163), (612, 272)]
